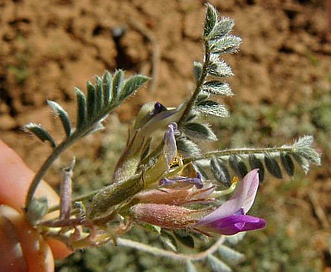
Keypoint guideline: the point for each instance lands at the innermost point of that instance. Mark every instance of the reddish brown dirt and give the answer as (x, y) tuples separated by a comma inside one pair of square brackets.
[(48, 47)]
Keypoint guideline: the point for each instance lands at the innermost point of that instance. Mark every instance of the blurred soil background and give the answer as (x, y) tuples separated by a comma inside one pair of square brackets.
[(282, 84)]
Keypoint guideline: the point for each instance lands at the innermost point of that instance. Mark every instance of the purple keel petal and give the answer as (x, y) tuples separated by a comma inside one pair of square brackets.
[(233, 224)]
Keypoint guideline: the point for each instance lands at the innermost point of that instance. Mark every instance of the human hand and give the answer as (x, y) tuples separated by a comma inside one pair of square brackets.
[(23, 248)]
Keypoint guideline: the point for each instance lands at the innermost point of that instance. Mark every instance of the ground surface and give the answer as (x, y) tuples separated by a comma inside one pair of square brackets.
[(48, 47)]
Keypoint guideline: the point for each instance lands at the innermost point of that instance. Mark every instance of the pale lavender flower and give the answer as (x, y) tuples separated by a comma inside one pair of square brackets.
[(230, 218), (170, 146), (179, 180)]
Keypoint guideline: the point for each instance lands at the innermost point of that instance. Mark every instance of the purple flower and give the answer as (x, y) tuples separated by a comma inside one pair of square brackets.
[(180, 181), (230, 218)]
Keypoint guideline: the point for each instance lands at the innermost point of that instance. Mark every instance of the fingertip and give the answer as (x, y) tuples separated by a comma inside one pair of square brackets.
[(34, 253), (59, 249), (15, 178)]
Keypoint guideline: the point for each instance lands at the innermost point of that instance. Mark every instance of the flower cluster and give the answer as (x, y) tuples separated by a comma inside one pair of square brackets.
[(178, 198), (165, 207)]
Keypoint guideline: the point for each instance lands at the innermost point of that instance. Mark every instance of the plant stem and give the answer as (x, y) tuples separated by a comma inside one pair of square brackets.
[(164, 253), (65, 144), (42, 171), (197, 90)]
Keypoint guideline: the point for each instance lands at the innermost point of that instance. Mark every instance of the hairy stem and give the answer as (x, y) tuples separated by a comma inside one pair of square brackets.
[(43, 169), (198, 87), (65, 144), (168, 254)]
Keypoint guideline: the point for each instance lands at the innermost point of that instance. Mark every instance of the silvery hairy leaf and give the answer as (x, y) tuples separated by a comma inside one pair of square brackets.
[(187, 147), (199, 131), (184, 238), (169, 241), (287, 163), (210, 20), (272, 166), (106, 87), (191, 117), (217, 88), (190, 266), (218, 68), (226, 44), (302, 147), (131, 85), (257, 163), (230, 255), (197, 70), (59, 111), (220, 171), (81, 108), (217, 265), (117, 83), (303, 162), (238, 166), (202, 97), (91, 100), (212, 108), (223, 27), (41, 133), (98, 93)]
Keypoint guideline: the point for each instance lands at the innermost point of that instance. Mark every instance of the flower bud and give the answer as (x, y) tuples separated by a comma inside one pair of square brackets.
[(174, 196), (165, 216)]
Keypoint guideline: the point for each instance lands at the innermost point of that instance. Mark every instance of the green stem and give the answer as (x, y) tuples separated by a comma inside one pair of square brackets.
[(43, 169), (164, 253), (239, 151), (65, 144), (197, 90)]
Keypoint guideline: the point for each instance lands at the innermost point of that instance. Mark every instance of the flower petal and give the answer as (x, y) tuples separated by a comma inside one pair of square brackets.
[(251, 184), (180, 181), (170, 146), (233, 224), (242, 198)]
